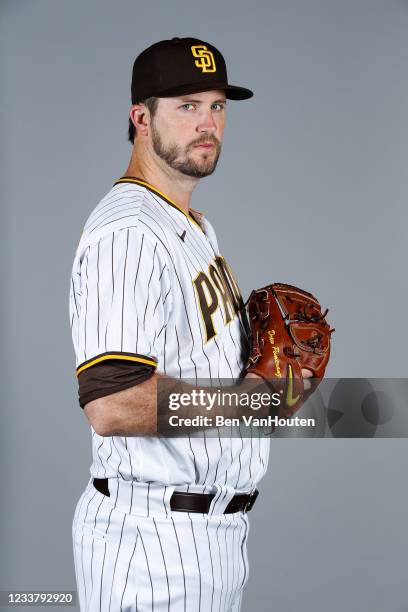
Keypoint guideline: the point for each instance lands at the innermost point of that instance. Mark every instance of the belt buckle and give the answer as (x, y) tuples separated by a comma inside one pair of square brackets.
[(251, 500)]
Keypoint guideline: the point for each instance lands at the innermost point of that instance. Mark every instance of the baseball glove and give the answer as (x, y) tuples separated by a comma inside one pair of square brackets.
[(288, 332)]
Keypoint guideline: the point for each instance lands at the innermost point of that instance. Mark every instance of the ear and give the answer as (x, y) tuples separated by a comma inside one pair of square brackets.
[(139, 117)]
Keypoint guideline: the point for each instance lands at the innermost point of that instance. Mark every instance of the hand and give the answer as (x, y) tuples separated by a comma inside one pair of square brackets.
[(306, 373)]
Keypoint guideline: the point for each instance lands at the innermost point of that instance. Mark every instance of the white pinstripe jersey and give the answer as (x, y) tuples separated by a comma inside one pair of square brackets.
[(149, 285)]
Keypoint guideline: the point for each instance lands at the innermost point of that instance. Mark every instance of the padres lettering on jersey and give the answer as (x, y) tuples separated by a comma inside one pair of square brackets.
[(149, 285)]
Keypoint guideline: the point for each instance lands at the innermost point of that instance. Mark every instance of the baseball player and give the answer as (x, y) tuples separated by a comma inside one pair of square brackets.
[(162, 523)]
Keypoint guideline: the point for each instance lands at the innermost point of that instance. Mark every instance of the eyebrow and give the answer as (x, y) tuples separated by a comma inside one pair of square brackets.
[(201, 101)]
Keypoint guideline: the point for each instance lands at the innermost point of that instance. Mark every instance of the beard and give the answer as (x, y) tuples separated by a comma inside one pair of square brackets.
[(172, 155)]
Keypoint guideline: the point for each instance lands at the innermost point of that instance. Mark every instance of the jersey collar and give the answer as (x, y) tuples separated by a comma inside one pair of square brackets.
[(194, 215)]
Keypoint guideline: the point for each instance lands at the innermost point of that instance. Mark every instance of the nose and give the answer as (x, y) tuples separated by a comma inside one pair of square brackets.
[(207, 123)]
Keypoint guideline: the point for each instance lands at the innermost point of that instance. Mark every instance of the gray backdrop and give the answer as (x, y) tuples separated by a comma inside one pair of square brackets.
[(311, 189)]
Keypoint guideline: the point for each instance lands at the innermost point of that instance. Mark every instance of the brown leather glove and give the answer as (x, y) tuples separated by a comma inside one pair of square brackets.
[(288, 332)]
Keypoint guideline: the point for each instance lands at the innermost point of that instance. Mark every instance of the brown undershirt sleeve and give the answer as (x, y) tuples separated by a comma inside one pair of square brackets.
[(110, 377)]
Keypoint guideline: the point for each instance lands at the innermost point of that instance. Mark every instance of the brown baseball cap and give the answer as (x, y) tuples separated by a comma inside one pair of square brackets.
[(181, 66)]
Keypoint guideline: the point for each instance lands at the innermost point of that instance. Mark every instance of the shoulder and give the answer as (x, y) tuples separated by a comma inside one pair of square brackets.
[(125, 206), (118, 209), (122, 211)]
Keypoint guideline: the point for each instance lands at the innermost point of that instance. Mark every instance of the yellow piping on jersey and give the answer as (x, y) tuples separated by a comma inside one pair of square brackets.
[(114, 356), (160, 193)]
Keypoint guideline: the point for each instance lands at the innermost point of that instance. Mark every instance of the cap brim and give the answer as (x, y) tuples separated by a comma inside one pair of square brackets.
[(238, 93), (232, 92)]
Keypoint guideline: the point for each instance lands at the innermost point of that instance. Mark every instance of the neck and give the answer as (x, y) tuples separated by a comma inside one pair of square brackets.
[(176, 186)]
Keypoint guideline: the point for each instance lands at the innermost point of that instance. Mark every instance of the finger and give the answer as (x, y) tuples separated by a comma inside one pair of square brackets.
[(306, 373)]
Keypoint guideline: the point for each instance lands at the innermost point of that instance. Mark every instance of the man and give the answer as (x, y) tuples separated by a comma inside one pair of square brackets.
[(151, 296)]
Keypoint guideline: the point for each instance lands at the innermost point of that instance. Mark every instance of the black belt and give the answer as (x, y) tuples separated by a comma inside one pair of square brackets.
[(195, 502)]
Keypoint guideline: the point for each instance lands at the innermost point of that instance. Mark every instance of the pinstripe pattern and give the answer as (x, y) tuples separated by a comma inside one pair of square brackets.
[(132, 293), (177, 563)]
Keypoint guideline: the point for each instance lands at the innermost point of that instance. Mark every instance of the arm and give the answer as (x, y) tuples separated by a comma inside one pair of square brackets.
[(129, 412), (134, 411), (120, 303)]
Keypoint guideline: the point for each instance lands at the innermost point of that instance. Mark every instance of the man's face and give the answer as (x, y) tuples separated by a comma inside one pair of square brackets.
[(187, 131)]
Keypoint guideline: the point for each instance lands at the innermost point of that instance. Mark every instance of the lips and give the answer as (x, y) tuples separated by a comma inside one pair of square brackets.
[(206, 146)]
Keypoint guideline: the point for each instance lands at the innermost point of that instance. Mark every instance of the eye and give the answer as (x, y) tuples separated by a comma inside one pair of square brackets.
[(186, 104), (221, 105)]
